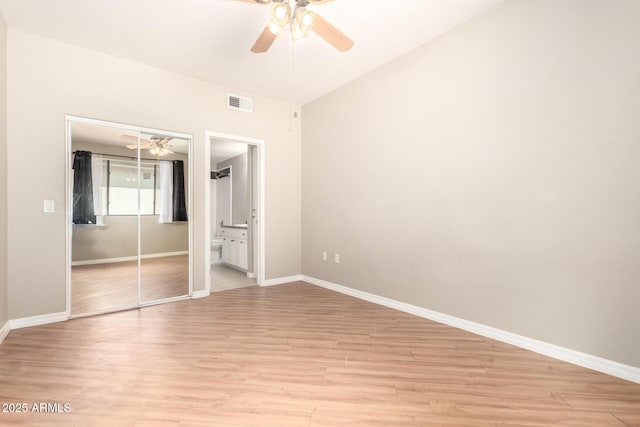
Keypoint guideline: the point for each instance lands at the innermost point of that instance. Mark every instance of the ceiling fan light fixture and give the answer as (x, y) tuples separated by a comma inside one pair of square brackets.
[(305, 18), (158, 150), (300, 21), (297, 32), (280, 13), (275, 28)]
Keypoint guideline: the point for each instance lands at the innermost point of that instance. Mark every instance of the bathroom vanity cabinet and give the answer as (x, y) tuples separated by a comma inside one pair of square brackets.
[(235, 247)]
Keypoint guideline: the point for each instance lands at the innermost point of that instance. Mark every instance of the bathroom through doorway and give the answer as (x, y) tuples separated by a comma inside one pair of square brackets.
[(234, 209)]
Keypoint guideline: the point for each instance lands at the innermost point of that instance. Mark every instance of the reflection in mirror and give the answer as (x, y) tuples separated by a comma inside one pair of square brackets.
[(104, 248), (232, 195), (130, 236), (222, 202), (164, 235)]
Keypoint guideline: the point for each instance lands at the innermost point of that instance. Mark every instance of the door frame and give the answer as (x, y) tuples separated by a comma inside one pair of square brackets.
[(69, 119), (259, 232)]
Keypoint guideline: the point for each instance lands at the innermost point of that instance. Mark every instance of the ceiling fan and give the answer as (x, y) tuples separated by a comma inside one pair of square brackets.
[(300, 20), (155, 144)]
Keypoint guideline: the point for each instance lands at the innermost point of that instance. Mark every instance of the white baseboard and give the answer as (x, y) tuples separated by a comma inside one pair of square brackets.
[(126, 258), (200, 294), (281, 280), (38, 320), (4, 331), (616, 369)]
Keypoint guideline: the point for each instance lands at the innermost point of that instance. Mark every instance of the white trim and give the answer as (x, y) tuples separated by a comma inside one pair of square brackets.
[(69, 214), (132, 307), (101, 312), (42, 319), (596, 363), (133, 128), (200, 294), (139, 222), (260, 144), (163, 301), (282, 280), (191, 210), (127, 258), (4, 331), (230, 190)]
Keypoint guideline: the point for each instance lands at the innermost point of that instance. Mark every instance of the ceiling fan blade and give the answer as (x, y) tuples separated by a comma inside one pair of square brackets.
[(143, 146), (129, 138), (331, 34), (164, 141), (132, 138), (264, 42)]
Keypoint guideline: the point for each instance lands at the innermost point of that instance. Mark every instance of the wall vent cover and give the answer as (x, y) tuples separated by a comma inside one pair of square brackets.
[(239, 103)]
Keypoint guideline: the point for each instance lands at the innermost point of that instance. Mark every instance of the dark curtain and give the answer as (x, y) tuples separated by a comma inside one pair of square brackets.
[(83, 189), (179, 205)]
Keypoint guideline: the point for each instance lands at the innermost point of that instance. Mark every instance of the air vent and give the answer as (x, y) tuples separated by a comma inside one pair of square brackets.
[(239, 103)]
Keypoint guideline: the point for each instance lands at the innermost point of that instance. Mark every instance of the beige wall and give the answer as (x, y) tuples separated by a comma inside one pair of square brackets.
[(48, 79), (492, 175), (3, 173), (119, 238)]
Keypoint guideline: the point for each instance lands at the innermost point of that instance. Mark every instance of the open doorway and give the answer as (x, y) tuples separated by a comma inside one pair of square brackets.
[(235, 231)]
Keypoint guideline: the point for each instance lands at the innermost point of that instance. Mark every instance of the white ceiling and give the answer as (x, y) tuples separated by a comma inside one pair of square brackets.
[(210, 39), (222, 150)]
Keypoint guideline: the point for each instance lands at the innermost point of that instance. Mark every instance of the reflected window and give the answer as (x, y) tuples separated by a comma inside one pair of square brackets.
[(119, 191)]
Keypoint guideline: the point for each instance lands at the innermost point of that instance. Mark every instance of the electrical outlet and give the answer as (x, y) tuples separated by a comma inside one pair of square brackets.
[(324, 256), (336, 258)]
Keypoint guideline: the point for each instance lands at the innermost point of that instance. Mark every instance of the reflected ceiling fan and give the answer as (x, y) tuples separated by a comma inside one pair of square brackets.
[(300, 20), (155, 144)]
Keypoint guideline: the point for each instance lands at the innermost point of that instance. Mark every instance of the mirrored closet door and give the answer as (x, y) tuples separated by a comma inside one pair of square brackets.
[(164, 235), (129, 232)]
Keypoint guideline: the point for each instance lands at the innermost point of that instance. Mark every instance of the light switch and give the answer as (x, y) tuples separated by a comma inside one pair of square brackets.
[(48, 206), (324, 256), (336, 258)]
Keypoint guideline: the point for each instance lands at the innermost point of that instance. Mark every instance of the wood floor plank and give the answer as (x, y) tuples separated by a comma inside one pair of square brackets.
[(629, 419), (294, 355), (629, 403)]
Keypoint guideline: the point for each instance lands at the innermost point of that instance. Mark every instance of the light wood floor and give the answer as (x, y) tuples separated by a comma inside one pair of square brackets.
[(101, 287), (294, 355)]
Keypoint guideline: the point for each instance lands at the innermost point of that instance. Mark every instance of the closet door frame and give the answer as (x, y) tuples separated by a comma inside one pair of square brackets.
[(69, 119)]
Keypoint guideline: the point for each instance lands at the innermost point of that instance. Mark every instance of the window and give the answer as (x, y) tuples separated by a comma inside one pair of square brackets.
[(121, 181)]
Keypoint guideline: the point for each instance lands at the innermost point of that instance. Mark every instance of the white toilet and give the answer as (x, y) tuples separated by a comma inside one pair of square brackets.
[(216, 250)]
